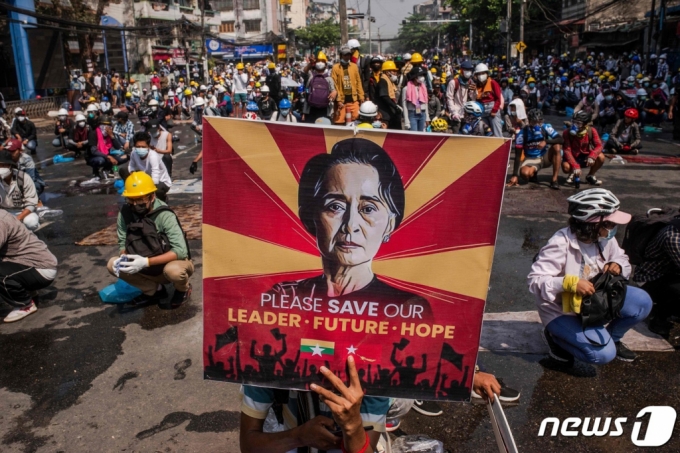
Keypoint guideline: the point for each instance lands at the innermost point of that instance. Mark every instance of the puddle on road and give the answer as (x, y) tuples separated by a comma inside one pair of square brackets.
[(47, 196), (77, 190)]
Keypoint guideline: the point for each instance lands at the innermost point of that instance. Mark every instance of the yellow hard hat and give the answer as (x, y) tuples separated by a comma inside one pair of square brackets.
[(365, 126), (128, 95), (531, 79), (436, 57), (92, 99), (510, 79), (503, 57), (416, 58), (606, 73), (239, 65), (187, 92), (138, 184), (602, 77), (389, 66), (528, 72), (439, 125), (433, 70), (271, 65), (321, 56), (258, 85), (612, 78), (181, 79), (639, 76), (443, 76)]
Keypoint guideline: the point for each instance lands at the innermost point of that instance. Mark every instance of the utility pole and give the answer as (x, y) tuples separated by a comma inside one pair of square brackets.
[(521, 31), (659, 31), (370, 39), (507, 55), (344, 32), (204, 55), (650, 33)]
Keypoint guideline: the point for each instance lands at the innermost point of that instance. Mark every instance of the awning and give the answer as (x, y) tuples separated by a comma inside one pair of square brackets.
[(669, 11)]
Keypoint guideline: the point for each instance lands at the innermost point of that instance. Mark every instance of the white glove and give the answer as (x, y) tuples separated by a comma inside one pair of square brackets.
[(591, 161), (407, 126), (116, 266), (134, 264), (577, 172)]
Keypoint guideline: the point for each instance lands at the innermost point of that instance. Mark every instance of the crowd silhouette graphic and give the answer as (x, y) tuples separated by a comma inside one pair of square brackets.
[(276, 370)]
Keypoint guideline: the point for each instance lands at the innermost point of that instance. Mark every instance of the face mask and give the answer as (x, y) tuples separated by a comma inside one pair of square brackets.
[(62, 118), (482, 77), (320, 66), (646, 84), (141, 209), (643, 98), (467, 74), (4, 172), (90, 115), (376, 125), (610, 235), (421, 79), (655, 86), (81, 123), (557, 89), (657, 101), (156, 134), (154, 108), (609, 98), (344, 63), (543, 82), (285, 112), (532, 85), (141, 152), (210, 96), (103, 129), (577, 85), (394, 78), (513, 113), (573, 130), (21, 118)]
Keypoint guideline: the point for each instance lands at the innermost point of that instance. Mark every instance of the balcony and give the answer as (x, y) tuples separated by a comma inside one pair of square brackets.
[(172, 11)]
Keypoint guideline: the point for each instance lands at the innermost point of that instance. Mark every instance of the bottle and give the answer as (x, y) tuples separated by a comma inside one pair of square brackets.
[(348, 116), (577, 181), (115, 171)]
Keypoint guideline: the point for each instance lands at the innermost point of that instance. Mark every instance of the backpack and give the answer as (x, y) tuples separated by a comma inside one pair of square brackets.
[(143, 238), (571, 98), (319, 90), (643, 228)]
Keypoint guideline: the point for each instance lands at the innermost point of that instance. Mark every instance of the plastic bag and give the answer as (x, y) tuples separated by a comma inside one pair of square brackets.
[(119, 185), (59, 159), (417, 443), (119, 293)]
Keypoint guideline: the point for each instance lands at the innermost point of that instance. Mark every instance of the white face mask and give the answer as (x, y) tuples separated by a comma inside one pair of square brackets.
[(394, 78), (320, 66), (21, 118), (61, 118), (4, 172), (467, 74), (421, 79), (81, 123), (482, 77)]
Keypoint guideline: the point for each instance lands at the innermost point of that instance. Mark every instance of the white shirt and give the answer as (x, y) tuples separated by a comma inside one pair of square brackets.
[(152, 165), (240, 82)]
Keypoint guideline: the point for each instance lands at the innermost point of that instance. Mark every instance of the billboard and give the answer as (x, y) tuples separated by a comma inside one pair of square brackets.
[(325, 242)]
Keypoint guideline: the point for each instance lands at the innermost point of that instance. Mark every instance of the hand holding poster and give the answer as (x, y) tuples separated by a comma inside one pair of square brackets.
[(320, 244)]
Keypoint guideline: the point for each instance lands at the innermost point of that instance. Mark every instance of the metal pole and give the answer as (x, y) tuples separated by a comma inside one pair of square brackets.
[(125, 57), (106, 51), (650, 32), (470, 44), (370, 39), (509, 37), (521, 32), (344, 36)]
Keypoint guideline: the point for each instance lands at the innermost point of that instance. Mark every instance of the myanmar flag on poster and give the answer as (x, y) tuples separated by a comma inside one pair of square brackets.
[(318, 348)]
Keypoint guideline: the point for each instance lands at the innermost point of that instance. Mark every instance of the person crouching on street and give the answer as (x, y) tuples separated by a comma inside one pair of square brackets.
[(17, 192), (153, 248), (26, 266), (561, 276), (145, 159)]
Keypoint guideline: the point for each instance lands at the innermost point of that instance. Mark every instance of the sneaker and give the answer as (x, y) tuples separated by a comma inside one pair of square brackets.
[(392, 424), (556, 351), (180, 297), (507, 394), (144, 299), (91, 182), (570, 179), (20, 313), (429, 408), (623, 353), (593, 181), (554, 185)]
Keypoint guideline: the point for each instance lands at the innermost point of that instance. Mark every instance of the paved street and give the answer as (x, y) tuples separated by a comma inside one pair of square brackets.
[(81, 376)]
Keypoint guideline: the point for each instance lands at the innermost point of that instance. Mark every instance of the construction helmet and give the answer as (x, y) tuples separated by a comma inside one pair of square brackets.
[(239, 65), (138, 184), (369, 109), (481, 67), (187, 92), (531, 79), (321, 56), (264, 89), (433, 70), (416, 58), (639, 76), (389, 66), (128, 95), (199, 102), (353, 44), (80, 117), (612, 78), (271, 65), (62, 112), (439, 125)]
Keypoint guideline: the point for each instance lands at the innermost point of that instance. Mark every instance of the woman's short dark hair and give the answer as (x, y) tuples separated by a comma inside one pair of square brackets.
[(349, 151), (141, 136), (585, 231)]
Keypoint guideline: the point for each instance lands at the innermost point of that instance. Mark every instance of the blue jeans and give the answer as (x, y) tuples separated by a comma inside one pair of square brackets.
[(417, 120), (568, 333)]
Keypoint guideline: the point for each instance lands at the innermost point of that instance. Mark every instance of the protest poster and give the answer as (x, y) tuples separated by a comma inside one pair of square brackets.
[(321, 242)]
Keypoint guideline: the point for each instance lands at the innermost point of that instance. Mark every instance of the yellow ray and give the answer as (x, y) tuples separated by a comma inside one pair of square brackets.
[(252, 141), (376, 136), (226, 254), (334, 134), (456, 157), (459, 271)]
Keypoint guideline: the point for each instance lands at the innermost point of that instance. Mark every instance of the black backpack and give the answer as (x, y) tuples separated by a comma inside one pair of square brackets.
[(643, 228), (604, 305), (143, 238)]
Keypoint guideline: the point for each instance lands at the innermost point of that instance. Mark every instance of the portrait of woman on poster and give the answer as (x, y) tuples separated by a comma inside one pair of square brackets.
[(352, 201)]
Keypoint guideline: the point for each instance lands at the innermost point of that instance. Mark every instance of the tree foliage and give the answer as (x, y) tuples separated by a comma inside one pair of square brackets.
[(321, 35)]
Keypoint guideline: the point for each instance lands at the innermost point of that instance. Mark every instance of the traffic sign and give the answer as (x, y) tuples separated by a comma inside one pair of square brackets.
[(520, 46)]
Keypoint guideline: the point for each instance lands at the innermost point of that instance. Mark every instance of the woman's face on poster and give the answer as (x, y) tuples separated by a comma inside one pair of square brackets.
[(354, 220)]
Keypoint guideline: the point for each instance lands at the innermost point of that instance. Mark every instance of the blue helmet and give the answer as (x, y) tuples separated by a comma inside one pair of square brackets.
[(284, 104), (105, 98), (564, 79), (252, 107), (301, 89)]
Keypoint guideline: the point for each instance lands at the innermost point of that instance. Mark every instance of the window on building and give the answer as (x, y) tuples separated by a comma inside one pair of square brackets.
[(223, 5), (227, 27), (251, 4), (252, 25)]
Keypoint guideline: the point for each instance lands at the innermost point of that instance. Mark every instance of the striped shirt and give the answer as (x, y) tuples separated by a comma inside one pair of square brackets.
[(256, 402), (662, 256), (128, 128)]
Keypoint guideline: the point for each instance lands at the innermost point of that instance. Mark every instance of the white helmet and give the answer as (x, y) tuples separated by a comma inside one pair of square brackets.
[(369, 109), (154, 88), (662, 56), (62, 112), (203, 88), (221, 89), (407, 56), (80, 117), (153, 103), (642, 92), (481, 67), (593, 203), (92, 107), (473, 108), (630, 79), (652, 56), (171, 93), (353, 44), (199, 102), (264, 89)]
